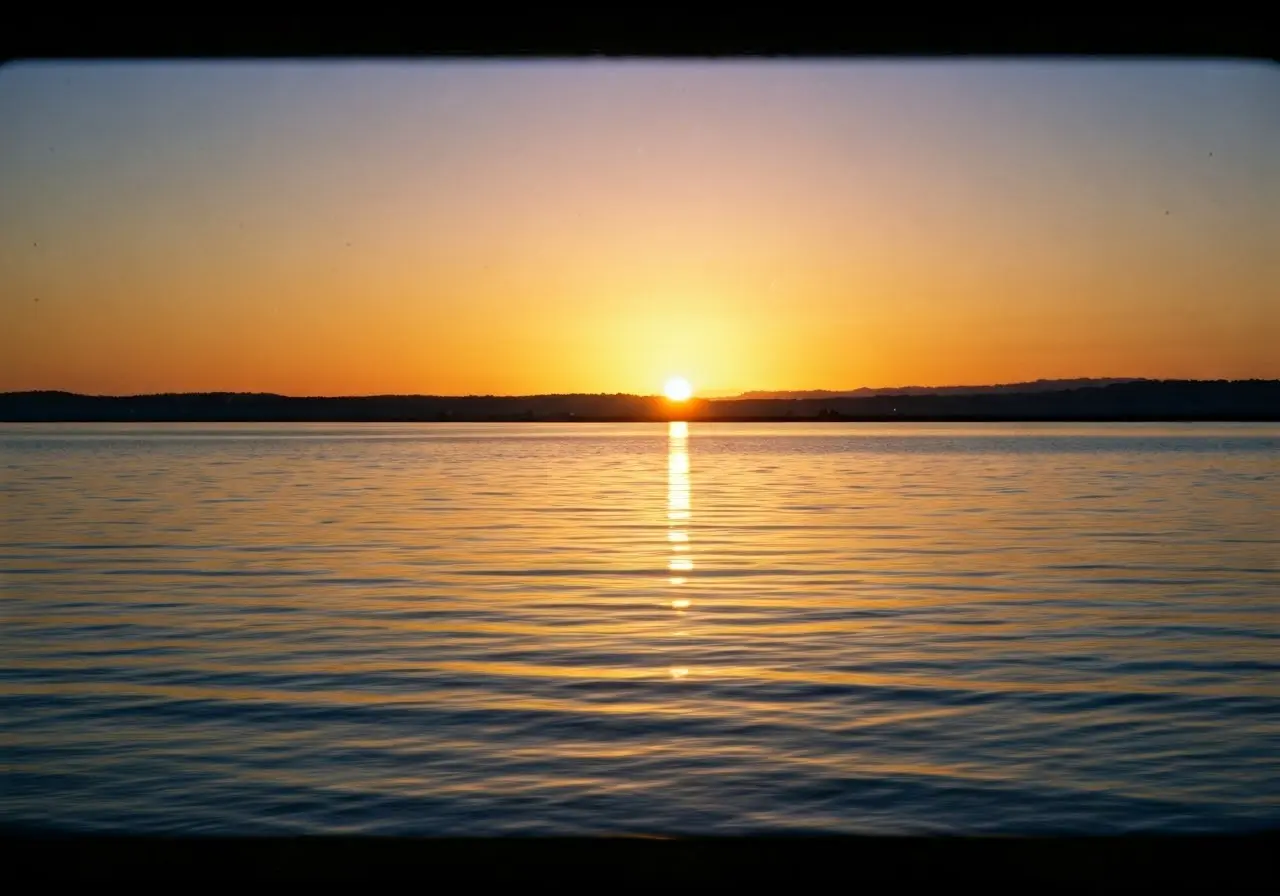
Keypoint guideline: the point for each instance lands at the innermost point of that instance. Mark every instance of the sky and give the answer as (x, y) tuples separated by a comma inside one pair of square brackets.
[(551, 226)]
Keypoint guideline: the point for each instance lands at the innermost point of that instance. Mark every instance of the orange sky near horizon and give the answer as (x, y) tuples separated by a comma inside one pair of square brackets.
[(540, 227)]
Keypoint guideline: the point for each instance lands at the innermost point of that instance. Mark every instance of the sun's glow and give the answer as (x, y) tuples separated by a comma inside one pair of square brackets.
[(678, 389)]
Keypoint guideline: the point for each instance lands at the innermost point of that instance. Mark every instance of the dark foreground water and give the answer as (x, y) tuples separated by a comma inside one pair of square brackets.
[(581, 629)]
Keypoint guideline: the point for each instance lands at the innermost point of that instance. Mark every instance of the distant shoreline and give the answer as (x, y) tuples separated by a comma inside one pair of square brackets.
[(1148, 401), (1272, 418)]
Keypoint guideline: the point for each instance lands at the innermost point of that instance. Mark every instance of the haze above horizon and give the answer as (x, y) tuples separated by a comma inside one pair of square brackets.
[(554, 227)]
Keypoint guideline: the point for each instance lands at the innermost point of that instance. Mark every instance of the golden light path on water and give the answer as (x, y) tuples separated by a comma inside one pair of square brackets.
[(679, 514)]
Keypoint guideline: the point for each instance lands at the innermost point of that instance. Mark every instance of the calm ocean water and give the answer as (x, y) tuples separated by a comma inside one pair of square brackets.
[(582, 629)]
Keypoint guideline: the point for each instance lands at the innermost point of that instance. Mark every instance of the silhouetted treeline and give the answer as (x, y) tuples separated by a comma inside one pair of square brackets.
[(244, 407), (1138, 400)]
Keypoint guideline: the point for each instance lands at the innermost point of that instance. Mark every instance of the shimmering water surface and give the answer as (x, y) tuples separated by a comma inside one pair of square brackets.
[(649, 629)]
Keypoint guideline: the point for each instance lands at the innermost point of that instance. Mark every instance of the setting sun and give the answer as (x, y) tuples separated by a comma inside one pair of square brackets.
[(677, 389)]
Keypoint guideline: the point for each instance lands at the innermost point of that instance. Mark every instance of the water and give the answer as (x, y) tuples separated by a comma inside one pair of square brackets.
[(584, 629)]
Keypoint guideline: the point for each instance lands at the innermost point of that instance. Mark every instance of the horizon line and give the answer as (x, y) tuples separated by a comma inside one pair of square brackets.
[(654, 395)]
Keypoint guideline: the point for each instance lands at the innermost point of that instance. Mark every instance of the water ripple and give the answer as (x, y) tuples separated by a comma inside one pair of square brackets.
[(582, 629)]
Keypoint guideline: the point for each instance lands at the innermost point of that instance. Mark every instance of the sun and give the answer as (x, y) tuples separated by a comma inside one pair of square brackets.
[(678, 389)]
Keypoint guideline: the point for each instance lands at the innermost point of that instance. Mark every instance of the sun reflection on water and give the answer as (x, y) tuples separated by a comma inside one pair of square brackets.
[(679, 511)]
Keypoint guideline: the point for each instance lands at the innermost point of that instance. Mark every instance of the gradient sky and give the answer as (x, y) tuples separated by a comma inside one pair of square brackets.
[(521, 227)]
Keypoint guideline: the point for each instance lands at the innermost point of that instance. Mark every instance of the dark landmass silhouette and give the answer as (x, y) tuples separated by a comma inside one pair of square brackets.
[(1138, 400), (868, 391)]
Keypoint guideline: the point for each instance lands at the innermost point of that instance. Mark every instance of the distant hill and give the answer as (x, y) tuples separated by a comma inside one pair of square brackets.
[(1123, 400), (868, 392), (1130, 400)]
